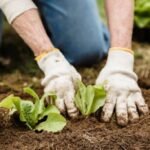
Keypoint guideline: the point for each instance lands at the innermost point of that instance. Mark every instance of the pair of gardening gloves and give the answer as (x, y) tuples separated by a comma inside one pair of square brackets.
[(120, 82)]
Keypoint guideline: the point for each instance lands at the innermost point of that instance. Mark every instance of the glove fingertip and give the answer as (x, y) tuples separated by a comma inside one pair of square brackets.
[(105, 117), (122, 120), (60, 105), (74, 115), (144, 109)]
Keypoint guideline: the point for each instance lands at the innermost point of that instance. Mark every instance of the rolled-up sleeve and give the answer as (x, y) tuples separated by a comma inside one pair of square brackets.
[(14, 8)]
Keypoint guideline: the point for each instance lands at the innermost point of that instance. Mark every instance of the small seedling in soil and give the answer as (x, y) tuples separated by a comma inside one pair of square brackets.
[(89, 98), (34, 113)]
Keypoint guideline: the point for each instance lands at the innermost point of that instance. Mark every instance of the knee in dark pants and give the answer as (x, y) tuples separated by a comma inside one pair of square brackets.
[(90, 52), (88, 56), (88, 48)]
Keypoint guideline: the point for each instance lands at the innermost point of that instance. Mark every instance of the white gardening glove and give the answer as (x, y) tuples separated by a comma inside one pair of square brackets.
[(60, 77), (123, 92)]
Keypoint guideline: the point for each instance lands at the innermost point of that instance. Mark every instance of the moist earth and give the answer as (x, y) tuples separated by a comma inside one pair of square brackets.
[(83, 133)]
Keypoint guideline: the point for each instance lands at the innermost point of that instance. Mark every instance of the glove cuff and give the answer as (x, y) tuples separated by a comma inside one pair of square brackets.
[(51, 61), (42, 55), (120, 60), (121, 49)]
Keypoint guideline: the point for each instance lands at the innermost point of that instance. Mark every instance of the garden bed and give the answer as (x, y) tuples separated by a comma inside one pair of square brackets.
[(87, 133), (79, 134)]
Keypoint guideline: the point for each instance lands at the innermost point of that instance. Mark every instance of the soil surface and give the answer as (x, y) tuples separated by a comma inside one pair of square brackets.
[(89, 133)]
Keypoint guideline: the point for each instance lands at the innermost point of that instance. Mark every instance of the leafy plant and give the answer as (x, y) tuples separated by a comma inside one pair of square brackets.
[(33, 113), (89, 98), (142, 13)]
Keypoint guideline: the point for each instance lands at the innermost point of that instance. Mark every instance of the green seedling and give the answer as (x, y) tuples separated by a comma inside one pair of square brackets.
[(34, 113), (89, 98)]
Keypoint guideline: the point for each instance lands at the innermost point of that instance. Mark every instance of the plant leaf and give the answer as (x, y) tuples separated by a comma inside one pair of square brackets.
[(40, 106), (99, 98), (81, 97), (8, 102), (31, 92), (54, 123), (89, 99), (25, 109), (51, 95), (48, 110)]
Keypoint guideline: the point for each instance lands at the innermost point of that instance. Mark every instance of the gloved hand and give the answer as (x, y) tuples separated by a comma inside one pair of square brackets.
[(60, 77), (123, 92)]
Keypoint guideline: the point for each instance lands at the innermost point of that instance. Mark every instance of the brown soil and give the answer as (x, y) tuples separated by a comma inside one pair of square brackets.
[(89, 133), (78, 134)]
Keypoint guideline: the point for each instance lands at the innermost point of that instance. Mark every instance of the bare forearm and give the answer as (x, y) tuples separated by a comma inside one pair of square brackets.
[(120, 20), (29, 26)]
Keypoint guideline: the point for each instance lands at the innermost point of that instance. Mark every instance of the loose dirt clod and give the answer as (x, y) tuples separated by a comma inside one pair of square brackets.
[(5, 118)]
